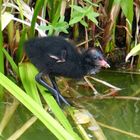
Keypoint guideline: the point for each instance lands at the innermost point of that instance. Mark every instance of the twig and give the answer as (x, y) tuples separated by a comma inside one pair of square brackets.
[(24, 128), (20, 131), (108, 97), (10, 110), (95, 91), (78, 45), (104, 82), (119, 130)]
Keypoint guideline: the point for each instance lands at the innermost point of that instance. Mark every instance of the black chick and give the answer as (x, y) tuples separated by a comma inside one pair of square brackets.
[(54, 56)]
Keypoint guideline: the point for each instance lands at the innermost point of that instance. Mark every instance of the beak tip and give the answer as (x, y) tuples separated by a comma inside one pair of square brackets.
[(107, 66)]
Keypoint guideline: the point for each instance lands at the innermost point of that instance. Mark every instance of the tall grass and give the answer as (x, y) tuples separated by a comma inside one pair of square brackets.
[(1, 53)]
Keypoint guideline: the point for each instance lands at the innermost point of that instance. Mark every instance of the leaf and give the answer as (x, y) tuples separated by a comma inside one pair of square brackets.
[(92, 15), (49, 28), (58, 112), (44, 28), (77, 8), (38, 6), (61, 27), (56, 12), (115, 1), (5, 19), (20, 51), (93, 4), (127, 8), (11, 61), (133, 52), (27, 74), (84, 23), (36, 109), (75, 20), (1, 54), (94, 20), (65, 31)]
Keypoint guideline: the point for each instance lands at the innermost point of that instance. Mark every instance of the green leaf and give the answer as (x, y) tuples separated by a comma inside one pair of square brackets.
[(61, 27), (93, 4), (93, 14), (51, 31), (36, 109), (91, 17), (49, 28), (84, 23), (88, 9), (75, 19), (11, 61), (38, 6), (44, 28), (20, 51), (27, 74), (127, 8), (80, 13), (133, 52), (1, 41), (58, 112), (64, 31), (62, 19), (1, 53), (20, 10), (77, 8), (116, 1), (57, 8)]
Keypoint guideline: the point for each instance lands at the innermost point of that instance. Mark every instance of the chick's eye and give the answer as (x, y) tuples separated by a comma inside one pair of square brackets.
[(95, 57)]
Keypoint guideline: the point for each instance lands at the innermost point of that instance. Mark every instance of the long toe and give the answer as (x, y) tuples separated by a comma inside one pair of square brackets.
[(63, 100)]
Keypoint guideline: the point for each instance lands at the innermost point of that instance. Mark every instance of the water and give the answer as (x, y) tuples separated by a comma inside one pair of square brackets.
[(119, 113)]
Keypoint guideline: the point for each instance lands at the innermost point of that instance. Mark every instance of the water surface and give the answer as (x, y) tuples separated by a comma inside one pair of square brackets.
[(119, 113)]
